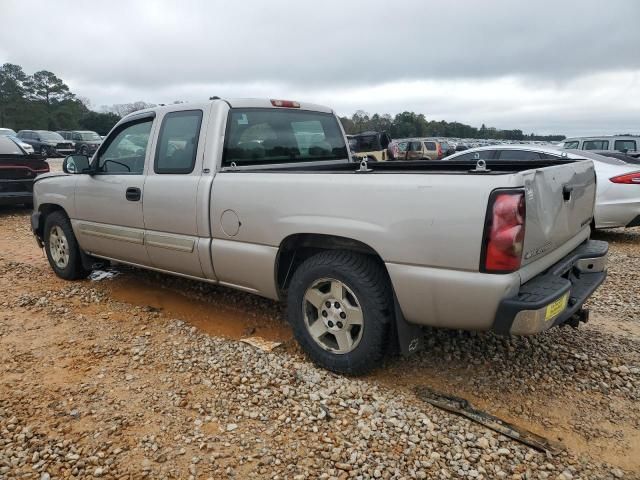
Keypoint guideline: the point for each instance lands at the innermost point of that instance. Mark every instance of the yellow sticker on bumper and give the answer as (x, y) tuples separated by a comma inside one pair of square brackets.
[(556, 308)]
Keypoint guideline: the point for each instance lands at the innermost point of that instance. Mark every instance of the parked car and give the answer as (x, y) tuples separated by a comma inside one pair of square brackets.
[(17, 173), (86, 141), (420, 149), (28, 149), (7, 132), (628, 144), (370, 144), (618, 194), (619, 155), (46, 143), (361, 256)]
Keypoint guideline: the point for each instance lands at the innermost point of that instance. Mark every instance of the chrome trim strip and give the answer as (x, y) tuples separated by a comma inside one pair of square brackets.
[(131, 235), (171, 242)]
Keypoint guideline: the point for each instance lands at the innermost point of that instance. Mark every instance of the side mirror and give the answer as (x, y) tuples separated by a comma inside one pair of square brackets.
[(76, 164)]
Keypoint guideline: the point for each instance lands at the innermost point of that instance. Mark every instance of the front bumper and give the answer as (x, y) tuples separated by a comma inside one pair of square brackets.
[(16, 192), (554, 296), (65, 151)]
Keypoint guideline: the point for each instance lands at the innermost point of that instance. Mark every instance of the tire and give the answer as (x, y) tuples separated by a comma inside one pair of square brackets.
[(357, 282), (84, 150), (44, 151), (58, 239)]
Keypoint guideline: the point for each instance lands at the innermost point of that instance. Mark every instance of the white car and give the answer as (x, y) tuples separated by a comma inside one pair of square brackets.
[(618, 190), (25, 146)]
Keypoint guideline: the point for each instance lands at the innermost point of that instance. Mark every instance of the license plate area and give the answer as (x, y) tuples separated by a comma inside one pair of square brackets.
[(556, 308)]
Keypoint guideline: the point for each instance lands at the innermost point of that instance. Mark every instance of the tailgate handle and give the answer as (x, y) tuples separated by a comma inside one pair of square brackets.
[(566, 192)]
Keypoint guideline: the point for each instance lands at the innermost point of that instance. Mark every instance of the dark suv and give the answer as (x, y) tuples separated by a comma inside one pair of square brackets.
[(46, 143), (18, 169), (86, 141)]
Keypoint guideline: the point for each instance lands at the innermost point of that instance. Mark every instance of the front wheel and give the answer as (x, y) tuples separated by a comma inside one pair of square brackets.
[(340, 309), (44, 151), (62, 248)]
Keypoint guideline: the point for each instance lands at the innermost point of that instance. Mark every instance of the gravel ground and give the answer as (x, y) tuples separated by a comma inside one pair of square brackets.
[(130, 378)]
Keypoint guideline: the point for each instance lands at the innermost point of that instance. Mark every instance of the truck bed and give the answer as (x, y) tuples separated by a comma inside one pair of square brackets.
[(416, 166)]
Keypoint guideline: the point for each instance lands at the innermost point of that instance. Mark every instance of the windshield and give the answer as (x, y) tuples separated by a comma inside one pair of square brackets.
[(269, 135), (52, 136), (7, 131), (90, 136)]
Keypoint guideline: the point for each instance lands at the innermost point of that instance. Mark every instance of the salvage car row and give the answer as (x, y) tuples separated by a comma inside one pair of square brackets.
[(53, 144)]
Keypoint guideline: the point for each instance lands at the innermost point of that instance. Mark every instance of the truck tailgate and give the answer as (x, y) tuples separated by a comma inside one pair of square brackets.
[(559, 203)]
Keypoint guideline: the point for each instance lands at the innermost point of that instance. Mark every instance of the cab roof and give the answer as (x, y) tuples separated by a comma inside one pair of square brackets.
[(235, 103)]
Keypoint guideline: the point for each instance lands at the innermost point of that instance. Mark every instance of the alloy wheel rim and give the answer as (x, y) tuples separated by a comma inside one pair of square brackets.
[(59, 247), (333, 316)]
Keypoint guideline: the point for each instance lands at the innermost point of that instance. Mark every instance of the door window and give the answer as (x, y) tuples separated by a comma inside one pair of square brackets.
[(572, 144), (126, 149), (595, 145), (415, 147), (625, 145), (178, 142), (431, 146)]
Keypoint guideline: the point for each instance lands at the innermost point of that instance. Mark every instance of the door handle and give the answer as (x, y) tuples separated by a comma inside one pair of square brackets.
[(133, 194), (566, 192)]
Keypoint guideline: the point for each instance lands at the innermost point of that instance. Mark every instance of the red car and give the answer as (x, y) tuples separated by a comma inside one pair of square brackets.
[(18, 169)]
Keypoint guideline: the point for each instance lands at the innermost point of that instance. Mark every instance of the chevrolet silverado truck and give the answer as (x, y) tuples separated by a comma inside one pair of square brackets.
[(263, 196)]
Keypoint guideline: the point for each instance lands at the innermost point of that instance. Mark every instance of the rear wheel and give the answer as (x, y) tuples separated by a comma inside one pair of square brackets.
[(44, 151), (339, 307), (62, 248), (84, 150)]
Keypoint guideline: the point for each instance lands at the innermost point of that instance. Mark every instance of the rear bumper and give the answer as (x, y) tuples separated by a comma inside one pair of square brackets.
[(554, 296)]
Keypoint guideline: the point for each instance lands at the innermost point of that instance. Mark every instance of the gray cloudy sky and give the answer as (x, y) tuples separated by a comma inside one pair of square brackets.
[(546, 66)]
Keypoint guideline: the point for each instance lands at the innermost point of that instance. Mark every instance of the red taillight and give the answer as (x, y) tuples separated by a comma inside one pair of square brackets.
[(285, 103), (628, 178), (504, 234)]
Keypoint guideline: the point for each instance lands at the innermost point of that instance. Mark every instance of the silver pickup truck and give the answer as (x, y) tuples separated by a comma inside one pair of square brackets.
[(263, 196)]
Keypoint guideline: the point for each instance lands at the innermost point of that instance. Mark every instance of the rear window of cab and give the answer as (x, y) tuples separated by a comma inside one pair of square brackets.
[(268, 135)]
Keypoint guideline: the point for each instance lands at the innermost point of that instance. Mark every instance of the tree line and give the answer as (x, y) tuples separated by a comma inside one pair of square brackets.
[(410, 124), (42, 101)]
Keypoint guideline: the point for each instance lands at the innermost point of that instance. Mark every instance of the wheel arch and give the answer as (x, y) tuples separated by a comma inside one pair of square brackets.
[(296, 248), (44, 211)]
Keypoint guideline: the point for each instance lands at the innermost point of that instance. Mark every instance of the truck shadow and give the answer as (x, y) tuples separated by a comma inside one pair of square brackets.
[(618, 235)]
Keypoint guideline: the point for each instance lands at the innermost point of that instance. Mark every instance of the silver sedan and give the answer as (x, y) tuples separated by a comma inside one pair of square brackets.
[(618, 191)]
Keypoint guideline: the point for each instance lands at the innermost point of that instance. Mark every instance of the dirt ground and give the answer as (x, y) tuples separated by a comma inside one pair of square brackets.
[(101, 380)]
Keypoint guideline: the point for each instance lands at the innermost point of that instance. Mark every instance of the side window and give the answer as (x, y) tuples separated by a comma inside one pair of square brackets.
[(595, 145), (415, 147), (625, 145), (178, 142), (521, 155), (126, 149), (571, 144), (74, 136), (431, 146), (483, 154)]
